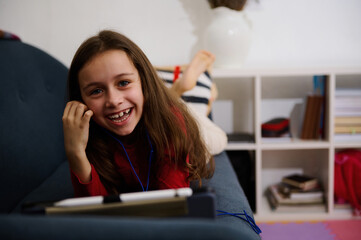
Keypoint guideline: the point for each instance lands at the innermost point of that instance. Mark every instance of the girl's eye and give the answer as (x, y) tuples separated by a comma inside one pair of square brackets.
[(96, 91), (123, 83)]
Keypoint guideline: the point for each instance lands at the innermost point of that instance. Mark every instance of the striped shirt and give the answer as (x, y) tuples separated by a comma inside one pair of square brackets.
[(198, 97)]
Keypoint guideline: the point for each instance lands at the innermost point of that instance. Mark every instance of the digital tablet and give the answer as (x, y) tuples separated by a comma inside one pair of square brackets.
[(181, 202)]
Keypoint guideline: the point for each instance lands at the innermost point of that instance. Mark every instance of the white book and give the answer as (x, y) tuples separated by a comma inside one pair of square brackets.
[(347, 92)]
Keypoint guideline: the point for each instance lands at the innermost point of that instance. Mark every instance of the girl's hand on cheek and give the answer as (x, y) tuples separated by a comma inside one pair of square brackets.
[(76, 120)]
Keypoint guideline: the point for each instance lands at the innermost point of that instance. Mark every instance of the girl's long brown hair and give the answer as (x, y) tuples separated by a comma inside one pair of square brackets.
[(159, 116)]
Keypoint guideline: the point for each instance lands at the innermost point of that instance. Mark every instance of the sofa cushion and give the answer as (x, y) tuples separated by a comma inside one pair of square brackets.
[(56, 187), (33, 84), (76, 227)]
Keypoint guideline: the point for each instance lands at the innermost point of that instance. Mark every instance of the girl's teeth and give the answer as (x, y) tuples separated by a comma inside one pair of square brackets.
[(116, 116)]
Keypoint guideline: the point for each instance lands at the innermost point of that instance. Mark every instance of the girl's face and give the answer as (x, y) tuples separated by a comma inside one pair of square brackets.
[(111, 87)]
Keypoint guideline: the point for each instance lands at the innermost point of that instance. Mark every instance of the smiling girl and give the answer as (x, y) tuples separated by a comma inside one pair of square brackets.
[(124, 131)]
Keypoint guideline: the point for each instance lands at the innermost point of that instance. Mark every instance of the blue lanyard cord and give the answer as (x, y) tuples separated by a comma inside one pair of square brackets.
[(150, 159), (247, 218)]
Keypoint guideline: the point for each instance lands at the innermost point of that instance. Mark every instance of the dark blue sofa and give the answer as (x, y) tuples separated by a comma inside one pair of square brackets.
[(34, 168)]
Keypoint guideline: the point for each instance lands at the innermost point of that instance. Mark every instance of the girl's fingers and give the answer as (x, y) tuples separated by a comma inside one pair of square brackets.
[(79, 111), (87, 115), (67, 109), (74, 110)]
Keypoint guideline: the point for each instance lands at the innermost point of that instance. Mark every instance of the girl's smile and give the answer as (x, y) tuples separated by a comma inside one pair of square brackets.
[(111, 87), (120, 117)]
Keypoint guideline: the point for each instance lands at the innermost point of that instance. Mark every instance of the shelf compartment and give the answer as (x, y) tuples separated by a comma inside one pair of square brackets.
[(278, 163), (342, 110), (344, 209), (279, 96), (240, 95), (244, 165)]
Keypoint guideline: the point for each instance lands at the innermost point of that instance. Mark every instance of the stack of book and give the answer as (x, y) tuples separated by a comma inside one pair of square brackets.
[(296, 193), (347, 111)]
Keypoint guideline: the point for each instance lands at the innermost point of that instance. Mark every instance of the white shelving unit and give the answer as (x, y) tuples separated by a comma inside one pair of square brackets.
[(249, 89)]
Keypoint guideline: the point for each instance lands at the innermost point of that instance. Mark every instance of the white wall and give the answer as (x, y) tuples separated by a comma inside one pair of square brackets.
[(160, 27), (293, 33), (307, 33)]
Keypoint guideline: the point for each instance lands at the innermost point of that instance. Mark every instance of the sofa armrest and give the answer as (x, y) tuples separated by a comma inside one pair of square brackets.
[(230, 196)]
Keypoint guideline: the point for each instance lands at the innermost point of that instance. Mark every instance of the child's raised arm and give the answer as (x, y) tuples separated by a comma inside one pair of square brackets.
[(76, 119)]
